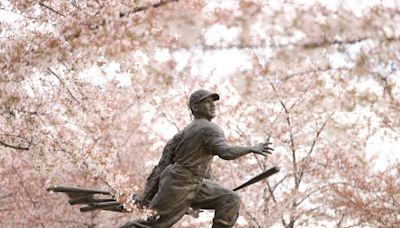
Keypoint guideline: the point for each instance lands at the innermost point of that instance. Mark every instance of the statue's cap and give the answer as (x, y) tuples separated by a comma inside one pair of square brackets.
[(200, 95)]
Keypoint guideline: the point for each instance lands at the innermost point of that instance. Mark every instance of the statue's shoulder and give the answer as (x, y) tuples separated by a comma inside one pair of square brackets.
[(211, 127), (175, 139), (202, 127)]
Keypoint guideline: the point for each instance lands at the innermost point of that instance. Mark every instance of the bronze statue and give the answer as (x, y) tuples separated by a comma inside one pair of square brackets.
[(181, 183), (181, 179)]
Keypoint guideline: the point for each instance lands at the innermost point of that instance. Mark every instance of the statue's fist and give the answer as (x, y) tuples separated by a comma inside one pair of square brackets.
[(139, 200)]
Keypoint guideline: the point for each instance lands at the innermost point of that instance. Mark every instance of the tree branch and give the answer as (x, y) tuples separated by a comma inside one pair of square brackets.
[(143, 8), (63, 83), (100, 178), (16, 147), (293, 148), (308, 195), (308, 45), (324, 43), (338, 224), (292, 143), (167, 115), (6, 196), (51, 9), (271, 192), (23, 186), (313, 145), (252, 217), (317, 70)]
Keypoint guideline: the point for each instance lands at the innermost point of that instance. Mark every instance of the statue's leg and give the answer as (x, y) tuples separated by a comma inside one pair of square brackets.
[(169, 210), (172, 201), (136, 224), (165, 221), (225, 202)]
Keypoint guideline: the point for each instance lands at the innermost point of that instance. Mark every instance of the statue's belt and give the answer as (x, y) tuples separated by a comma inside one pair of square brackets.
[(198, 171)]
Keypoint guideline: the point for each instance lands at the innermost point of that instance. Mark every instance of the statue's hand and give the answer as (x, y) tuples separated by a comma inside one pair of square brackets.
[(195, 213), (263, 149), (140, 200)]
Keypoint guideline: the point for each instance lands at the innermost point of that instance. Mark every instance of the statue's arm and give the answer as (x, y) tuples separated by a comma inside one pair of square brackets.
[(167, 158), (216, 142), (228, 152)]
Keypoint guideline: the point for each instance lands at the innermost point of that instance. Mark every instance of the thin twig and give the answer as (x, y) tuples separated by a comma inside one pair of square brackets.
[(292, 143), (341, 220), (271, 192), (309, 45), (63, 83), (252, 217), (51, 9), (6, 196), (313, 145), (143, 8), (16, 147), (23, 186), (100, 178)]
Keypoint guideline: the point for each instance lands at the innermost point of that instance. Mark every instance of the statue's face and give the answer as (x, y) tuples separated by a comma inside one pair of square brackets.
[(205, 108)]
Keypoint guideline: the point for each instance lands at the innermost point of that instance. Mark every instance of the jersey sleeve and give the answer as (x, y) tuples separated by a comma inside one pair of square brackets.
[(214, 139), (215, 142)]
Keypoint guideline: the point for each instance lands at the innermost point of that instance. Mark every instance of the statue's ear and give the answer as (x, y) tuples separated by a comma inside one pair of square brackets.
[(195, 108)]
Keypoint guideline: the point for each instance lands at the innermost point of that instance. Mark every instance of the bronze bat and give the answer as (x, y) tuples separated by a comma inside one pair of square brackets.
[(259, 177)]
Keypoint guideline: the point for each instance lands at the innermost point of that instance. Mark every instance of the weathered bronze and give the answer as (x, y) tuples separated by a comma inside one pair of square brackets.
[(181, 179), (259, 177), (93, 199), (180, 184)]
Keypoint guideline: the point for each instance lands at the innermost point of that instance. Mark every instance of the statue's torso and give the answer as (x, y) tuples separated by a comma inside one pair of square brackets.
[(191, 151)]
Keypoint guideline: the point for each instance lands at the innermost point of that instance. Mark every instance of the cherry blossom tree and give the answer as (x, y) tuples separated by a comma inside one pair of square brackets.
[(92, 90)]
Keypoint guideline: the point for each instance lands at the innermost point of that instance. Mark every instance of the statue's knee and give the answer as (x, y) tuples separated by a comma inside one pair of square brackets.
[(234, 200)]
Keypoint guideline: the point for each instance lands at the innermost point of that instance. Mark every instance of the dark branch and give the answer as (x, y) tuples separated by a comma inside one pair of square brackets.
[(143, 8), (339, 224), (308, 45), (313, 145), (271, 192), (264, 71), (100, 178), (6, 196), (24, 187), (51, 9), (316, 70), (63, 83), (16, 147), (249, 215), (324, 43)]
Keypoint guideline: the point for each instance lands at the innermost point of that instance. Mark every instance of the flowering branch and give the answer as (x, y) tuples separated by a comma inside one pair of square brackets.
[(63, 83), (16, 147), (51, 9)]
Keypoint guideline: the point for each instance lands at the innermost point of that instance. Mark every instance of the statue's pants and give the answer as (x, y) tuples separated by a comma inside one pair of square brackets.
[(180, 189)]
